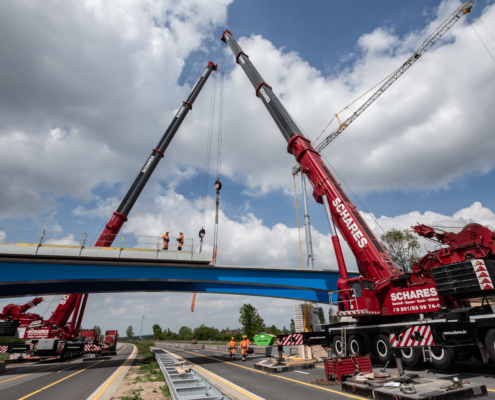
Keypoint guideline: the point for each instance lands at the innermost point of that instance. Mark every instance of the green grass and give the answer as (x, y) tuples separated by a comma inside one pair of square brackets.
[(165, 390), (3, 356), (5, 340), (134, 394)]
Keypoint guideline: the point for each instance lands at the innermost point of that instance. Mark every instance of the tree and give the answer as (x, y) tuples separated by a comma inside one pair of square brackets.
[(292, 326), (285, 331), (251, 321), (273, 330), (157, 332), (185, 333), (331, 316), (402, 246), (97, 329), (321, 315), (130, 332)]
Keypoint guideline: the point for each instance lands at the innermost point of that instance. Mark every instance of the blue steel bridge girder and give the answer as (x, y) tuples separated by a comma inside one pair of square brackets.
[(37, 276)]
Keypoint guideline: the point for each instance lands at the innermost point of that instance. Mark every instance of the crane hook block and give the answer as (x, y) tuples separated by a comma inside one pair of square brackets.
[(217, 185), (202, 233)]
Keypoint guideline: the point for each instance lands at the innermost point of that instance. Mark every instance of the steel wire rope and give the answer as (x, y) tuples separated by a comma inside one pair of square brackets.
[(486, 29), (54, 297), (219, 155), (208, 152), (483, 43), (357, 198), (298, 227), (345, 108)]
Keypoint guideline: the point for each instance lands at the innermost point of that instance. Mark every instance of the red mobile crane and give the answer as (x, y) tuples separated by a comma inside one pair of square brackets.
[(53, 337), (417, 311)]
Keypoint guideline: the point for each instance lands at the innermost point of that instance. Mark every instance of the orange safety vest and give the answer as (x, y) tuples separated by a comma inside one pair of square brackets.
[(181, 240), (245, 344), (165, 241), (232, 345)]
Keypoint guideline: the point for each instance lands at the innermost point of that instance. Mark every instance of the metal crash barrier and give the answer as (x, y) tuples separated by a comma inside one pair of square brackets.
[(186, 384)]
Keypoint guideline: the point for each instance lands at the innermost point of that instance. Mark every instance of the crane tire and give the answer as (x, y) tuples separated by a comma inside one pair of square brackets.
[(383, 350), (355, 345), (411, 356), (490, 343), (337, 345), (442, 357)]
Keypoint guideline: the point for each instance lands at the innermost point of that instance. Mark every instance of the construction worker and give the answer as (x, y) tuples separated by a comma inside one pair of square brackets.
[(343, 294), (166, 239), (232, 348), (244, 347), (180, 239)]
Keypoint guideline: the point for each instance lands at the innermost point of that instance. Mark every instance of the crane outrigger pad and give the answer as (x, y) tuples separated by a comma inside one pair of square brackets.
[(425, 389)]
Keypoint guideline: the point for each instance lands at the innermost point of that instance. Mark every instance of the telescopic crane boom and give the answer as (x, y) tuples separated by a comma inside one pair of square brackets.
[(432, 39), (75, 303), (374, 264)]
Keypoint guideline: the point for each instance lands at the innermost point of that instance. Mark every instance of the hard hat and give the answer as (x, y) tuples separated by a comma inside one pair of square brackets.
[(181, 232), (232, 338), (167, 232), (244, 336)]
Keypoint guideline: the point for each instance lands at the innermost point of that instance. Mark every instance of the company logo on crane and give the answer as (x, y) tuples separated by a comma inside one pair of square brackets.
[(146, 166), (351, 225), (265, 95)]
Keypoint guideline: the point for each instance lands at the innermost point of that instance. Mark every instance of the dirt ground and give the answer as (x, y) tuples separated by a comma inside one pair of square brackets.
[(143, 381)]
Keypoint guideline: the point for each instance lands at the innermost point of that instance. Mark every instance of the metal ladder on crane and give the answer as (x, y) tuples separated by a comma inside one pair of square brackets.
[(343, 337), (427, 353)]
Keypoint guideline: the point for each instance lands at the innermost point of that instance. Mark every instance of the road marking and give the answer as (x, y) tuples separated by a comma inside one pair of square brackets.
[(35, 372), (65, 369), (300, 372), (216, 359), (115, 374), (63, 379), (280, 377), (232, 385)]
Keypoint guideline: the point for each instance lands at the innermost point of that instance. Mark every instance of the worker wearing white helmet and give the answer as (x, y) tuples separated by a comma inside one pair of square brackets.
[(180, 239), (166, 239)]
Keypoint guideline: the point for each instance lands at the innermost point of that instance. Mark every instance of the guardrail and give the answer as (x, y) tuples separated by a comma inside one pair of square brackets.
[(86, 239), (187, 386)]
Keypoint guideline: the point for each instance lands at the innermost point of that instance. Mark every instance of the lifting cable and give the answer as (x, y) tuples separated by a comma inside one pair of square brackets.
[(204, 200), (483, 43), (218, 184), (307, 304)]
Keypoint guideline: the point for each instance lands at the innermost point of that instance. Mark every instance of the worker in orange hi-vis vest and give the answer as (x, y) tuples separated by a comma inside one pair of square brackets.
[(166, 239), (232, 348), (180, 239), (245, 347)]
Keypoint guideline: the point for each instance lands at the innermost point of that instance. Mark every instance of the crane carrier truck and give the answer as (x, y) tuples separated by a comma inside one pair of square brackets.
[(426, 313), (55, 337)]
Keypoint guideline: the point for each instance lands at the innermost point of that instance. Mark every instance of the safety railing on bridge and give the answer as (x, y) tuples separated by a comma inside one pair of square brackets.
[(182, 381), (41, 243), (81, 239)]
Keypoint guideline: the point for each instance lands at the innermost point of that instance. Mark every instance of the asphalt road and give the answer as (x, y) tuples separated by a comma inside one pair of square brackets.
[(297, 385), (71, 380)]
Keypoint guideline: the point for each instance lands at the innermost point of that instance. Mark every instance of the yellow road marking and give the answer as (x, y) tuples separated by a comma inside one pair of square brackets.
[(491, 390), (63, 379), (227, 383), (35, 372), (115, 376), (281, 377)]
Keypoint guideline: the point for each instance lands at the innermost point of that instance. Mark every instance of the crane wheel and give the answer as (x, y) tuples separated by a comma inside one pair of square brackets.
[(490, 343), (442, 357), (355, 345), (411, 356), (382, 348), (337, 346)]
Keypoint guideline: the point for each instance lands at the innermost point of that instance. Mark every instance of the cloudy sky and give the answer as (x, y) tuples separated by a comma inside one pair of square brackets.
[(87, 89)]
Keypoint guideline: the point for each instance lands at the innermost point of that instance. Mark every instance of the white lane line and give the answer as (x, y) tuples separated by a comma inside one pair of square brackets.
[(65, 369), (300, 372)]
